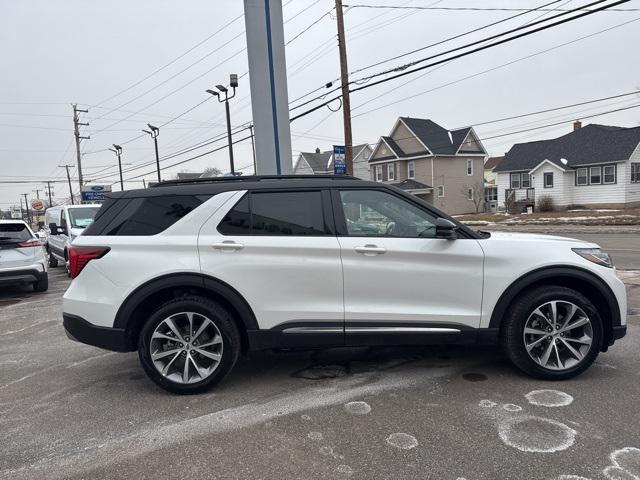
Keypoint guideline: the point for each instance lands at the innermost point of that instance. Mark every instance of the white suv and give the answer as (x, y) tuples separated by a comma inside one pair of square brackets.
[(23, 258), (191, 273)]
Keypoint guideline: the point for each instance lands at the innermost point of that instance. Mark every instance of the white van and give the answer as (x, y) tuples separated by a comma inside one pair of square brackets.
[(63, 224)]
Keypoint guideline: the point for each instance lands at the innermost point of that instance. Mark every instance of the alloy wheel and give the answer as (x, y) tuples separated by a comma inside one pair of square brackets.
[(186, 347), (558, 335)]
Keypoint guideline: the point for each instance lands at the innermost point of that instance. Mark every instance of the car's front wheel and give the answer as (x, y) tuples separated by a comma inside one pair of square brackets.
[(552, 332), (189, 344)]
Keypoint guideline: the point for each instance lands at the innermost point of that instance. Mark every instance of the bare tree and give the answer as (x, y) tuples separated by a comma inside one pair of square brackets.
[(212, 172), (475, 193)]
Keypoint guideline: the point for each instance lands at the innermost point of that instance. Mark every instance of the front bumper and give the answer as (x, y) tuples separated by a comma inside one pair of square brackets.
[(27, 275), (78, 329)]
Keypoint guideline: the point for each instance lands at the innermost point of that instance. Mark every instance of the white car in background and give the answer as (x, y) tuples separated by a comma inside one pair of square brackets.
[(63, 224), (23, 258)]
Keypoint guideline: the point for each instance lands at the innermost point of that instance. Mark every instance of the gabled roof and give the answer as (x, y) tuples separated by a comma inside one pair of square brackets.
[(432, 135), (395, 148), (588, 145), (493, 162), (458, 136), (322, 161)]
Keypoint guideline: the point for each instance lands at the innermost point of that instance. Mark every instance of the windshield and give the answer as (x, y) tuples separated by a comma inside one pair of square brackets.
[(82, 217), (14, 233)]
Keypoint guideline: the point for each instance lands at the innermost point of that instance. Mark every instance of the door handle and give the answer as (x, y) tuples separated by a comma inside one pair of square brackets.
[(371, 250), (228, 246)]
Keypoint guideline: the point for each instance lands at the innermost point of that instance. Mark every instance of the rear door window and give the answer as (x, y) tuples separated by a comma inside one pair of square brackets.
[(276, 213), (12, 233)]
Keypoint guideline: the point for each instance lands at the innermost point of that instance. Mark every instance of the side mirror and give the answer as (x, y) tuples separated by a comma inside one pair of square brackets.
[(446, 229), (53, 228)]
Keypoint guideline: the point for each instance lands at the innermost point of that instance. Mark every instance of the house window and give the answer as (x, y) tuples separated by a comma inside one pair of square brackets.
[(635, 172), (515, 180), (391, 171), (469, 167), (548, 180), (520, 180), (581, 177), (491, 194), (595, 175), (609, 174), (378, 173), (411, 171), (470, 194), (440, 191)]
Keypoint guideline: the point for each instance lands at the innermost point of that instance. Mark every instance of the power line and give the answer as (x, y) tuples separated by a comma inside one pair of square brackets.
[(478, 9)]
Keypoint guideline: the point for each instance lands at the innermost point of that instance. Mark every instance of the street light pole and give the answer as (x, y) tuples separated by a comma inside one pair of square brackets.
[(154, 132), (233, 83), (118, 151)]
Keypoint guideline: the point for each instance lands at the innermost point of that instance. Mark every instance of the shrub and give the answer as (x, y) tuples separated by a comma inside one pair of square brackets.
[(546, 204)]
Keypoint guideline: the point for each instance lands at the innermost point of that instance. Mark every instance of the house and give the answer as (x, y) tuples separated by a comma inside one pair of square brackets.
[(595, 166), (489, 169), (443, 167), (321, 163)]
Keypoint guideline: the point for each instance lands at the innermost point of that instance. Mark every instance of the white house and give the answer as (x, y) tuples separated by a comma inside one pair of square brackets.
[(595, 165), (321, 163)]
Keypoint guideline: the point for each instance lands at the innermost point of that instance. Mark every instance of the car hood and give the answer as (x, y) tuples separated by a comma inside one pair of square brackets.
[(536, 237)]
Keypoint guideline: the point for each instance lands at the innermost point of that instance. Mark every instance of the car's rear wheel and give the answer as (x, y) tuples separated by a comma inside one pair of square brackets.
[(189, 344), (552, 332), (53, 261)]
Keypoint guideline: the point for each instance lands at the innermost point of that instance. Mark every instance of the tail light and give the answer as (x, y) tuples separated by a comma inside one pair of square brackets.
[(30, 243), (79, 257)]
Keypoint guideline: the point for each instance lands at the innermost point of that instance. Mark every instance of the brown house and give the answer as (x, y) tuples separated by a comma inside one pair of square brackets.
[(443, 167)]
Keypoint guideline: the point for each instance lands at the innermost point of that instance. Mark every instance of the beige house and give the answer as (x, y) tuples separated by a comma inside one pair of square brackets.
[(443, 167), (321, 163)]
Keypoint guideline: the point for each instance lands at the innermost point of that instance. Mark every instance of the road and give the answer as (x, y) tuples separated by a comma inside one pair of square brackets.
[(72, 411), (624, 248)]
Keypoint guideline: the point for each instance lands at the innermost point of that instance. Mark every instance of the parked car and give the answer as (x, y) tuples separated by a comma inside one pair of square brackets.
[(192, 273), (63, 224), (23, 259)]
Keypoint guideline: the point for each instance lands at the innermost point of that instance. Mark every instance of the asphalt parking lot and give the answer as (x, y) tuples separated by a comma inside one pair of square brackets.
[(76, 412)]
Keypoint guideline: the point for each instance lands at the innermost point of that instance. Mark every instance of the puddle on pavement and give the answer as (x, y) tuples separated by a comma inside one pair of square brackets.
[(475, 377)]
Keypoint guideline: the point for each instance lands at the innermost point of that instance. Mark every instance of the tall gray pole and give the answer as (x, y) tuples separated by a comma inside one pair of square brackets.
[(69, 181), (226, 107), (155, 142)]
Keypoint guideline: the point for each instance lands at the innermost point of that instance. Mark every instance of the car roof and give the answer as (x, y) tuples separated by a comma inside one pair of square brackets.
[(215, 185), (69, 207), (13, 221)]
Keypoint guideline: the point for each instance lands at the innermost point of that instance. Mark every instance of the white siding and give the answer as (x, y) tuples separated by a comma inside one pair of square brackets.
[(562, 185), (361, 164), (301, 167), (632, 190), (599, 194), (502, 181)]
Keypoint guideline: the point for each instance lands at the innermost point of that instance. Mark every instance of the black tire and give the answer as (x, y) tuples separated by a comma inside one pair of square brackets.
[(221, 319), (512, 331), (53, 261), (41, 285)]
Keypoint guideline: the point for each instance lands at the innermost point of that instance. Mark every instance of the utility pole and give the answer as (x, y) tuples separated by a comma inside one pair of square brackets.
[(69, 181), (118, 151), (233, 83), (37, 192), (50, 195), (76, 129), (26, 204), (344, 77), (154, 132)]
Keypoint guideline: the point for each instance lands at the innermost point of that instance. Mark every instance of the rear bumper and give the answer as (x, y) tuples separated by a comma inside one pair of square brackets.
[(27, 275), (78, 329)]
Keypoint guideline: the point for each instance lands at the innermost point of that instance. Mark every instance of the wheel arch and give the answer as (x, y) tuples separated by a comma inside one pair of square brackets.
[(576, 278), (138, 305)]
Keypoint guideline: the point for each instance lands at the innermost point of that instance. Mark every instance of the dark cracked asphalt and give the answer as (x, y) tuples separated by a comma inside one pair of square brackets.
[(75, 412)]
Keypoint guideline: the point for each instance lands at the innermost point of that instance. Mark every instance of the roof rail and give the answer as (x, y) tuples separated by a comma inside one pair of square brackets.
[(249, 178)]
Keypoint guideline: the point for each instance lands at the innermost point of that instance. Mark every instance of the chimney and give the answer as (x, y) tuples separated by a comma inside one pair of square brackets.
[(576, 125), (317, 150)]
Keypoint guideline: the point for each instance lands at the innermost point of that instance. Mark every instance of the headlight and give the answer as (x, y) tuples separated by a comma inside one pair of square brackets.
[(595, 255)]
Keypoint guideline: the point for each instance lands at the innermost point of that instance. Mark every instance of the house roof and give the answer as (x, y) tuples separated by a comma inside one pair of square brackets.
[(394, 147), (188, 175), (588, 145), (319, 162), (410, 184), (493, 162), (458, 136), (432, 135)]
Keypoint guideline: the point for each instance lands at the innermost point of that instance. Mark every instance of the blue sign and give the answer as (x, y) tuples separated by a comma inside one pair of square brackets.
[(95, 193), (339, 164)]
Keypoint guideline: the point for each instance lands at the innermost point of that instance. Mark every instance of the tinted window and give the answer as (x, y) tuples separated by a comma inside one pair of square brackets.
[(275, 213), (238, 220), (380, 214), (144, 216), (14, 233), (287, 213)]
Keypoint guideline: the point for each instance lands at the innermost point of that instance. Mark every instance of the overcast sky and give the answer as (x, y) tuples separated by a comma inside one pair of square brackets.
[(88, 52)]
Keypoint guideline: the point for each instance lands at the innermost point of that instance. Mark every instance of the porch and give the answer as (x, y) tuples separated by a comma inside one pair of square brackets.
[(517, 200)]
